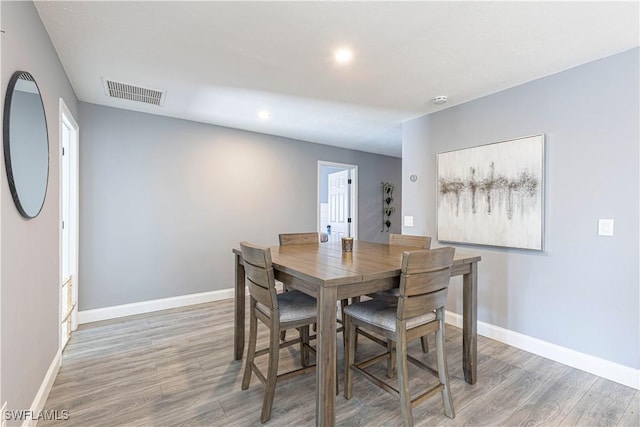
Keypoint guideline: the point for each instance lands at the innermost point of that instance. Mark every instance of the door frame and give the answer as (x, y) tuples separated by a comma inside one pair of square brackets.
[(66, 116), (353, 198)]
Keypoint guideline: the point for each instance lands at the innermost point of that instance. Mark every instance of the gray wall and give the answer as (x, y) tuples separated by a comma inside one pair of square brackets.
[(163, 201), (582, 291), (30, 249)]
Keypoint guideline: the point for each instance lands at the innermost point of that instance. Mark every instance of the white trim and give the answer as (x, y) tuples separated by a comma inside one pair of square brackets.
[(45, 389), (353, 196), (65, 116), (594, 365), (105, 313)]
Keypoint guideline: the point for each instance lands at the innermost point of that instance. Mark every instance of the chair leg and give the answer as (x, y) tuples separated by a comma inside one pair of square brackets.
[(304, 346), (349, 356), (283, 333), (355, 300), (425, 343), (443, 370), (251, 352), (391, 362), (403, 374), (272, 375), (337, 383), (343, 304)]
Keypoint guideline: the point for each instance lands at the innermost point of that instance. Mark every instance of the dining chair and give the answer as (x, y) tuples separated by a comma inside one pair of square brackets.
[(278, 312), (422, 242), (418, 310), (301, 239), (298, 238), (295, 239)]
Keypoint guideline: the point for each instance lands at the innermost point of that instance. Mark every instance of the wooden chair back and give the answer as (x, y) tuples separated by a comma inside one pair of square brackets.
[(424, 281), (422, 242), (298, 238), (259, 275)]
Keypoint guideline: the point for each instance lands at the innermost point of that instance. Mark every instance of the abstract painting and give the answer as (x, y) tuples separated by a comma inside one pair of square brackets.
[(493, 194)]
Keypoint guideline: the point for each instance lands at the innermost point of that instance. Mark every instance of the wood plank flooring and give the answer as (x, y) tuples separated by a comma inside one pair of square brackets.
[(176, 368)]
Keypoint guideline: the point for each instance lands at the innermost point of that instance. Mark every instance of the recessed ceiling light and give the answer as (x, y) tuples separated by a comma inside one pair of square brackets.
[(343, 55), (264, 115), (438, 100)]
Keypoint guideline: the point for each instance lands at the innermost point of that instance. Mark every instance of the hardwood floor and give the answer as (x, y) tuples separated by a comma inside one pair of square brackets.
[(176, 367)]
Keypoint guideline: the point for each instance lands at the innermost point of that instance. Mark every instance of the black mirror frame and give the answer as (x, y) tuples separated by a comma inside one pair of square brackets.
[(7, 142)]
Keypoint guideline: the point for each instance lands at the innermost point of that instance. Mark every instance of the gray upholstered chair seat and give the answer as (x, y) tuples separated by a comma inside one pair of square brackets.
[(390, 295), (294, 306), (384, 314)]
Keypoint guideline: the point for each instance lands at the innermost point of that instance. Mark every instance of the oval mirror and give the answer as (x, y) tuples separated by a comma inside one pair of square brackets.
[(26, 144)]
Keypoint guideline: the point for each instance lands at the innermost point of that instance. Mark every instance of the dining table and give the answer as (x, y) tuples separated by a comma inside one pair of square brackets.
[(326, 272)]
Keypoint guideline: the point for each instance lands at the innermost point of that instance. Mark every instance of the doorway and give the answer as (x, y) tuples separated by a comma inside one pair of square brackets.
[(69, 225), (337, 200)]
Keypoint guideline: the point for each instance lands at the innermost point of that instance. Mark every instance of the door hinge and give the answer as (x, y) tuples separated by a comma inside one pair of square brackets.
[(63, 151), (63, 225), (349, 181), (349, 220)]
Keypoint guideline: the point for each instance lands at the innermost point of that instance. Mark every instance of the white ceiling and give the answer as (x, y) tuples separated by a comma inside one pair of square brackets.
[(222, 62)]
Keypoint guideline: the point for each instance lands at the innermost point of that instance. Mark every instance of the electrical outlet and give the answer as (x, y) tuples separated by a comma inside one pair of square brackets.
[(408, 221)]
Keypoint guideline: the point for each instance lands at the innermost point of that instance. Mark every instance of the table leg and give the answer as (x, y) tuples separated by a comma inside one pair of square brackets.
[(326, 357), (238, 320), (470, 324)]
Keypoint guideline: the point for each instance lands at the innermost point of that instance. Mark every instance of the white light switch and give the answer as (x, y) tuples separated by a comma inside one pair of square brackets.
[(605, 227), (408, 221)]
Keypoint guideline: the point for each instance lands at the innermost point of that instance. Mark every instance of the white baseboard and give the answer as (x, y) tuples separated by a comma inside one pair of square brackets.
[(45, 388), (585, 362), (106, 313)]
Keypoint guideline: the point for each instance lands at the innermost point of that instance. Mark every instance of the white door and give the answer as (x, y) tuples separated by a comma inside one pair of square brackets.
[(69, 224), (337, 200), (338, 203)]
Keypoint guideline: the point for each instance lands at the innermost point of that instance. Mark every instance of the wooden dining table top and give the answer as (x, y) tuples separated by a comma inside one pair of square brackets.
[(325, 264)]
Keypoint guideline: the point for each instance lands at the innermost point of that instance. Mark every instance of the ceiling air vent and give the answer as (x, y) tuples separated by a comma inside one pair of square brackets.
[(133, 93)]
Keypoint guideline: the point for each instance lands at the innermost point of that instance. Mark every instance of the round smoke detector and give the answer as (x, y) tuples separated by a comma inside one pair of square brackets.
[(438, 100)]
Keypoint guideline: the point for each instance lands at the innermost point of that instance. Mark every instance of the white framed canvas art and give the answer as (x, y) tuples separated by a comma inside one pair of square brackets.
[(493, 194)]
